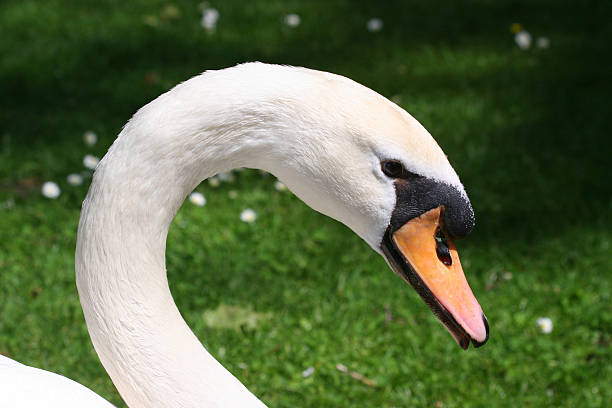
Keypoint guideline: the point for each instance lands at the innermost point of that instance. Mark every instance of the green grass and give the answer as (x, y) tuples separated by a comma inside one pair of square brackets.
[(528, 132)]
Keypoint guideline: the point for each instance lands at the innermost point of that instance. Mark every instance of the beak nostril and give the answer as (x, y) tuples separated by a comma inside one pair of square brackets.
[(442, 248)]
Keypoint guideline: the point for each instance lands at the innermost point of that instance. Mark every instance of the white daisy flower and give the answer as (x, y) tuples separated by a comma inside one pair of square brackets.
[(90, 138), (90, 161), (210, 16), (523, 39), (51, 190), (280, 186), (374, 25), (214, 181), (292, 20), (308, 372), (543, 42), (74, 179), (197, 199), (545, 324), (248, 215)]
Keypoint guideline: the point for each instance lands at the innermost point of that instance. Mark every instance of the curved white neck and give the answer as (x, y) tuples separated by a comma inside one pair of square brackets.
[(165, 150), (321, 134)]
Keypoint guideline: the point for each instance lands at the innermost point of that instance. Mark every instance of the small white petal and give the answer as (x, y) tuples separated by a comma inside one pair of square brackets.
[(90, 161), (51, 190), (543, 42), (197, 199), (374, 25), (280, 186), (210, 16), (292, 20), (74, 179), (90, 138), (308, 372), (523, 39), (248, 215), (545, 324), (214, 181)]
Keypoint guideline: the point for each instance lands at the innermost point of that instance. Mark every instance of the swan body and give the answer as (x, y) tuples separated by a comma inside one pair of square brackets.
[(24, 386), (330, 140)]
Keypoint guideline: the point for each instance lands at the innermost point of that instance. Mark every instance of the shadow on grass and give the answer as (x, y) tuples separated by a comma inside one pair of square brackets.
[(542, 170)]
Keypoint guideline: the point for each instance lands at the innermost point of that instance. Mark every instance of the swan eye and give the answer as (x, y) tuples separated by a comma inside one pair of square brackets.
[(394, 169)]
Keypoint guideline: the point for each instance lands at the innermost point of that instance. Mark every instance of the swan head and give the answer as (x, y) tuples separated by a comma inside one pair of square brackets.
[(359, 158)]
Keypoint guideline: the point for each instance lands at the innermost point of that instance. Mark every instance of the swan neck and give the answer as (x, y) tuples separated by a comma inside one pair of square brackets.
[(152, 356)]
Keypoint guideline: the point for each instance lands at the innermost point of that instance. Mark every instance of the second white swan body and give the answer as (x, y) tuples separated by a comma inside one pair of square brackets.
[(343, 149)]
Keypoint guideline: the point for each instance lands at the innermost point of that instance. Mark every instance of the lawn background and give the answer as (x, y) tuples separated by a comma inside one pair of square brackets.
[(527, 130)]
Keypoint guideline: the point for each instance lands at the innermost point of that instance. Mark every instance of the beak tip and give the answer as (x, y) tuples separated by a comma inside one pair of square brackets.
[(486, 325)]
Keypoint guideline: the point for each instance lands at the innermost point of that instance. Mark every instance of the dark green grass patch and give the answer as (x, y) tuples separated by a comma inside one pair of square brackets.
[(526, 130)]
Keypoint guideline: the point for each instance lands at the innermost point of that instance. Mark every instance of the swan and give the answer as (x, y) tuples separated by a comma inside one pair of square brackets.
[(343, 149)]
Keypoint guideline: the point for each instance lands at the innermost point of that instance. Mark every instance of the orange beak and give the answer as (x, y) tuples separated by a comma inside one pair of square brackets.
[(426, 257)]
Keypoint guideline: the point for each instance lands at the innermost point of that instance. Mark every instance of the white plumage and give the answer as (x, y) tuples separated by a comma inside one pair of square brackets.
[(24, 386), (321, 134)]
